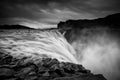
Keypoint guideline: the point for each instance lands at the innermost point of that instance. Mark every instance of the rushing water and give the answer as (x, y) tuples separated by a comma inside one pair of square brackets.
[(36, 44)]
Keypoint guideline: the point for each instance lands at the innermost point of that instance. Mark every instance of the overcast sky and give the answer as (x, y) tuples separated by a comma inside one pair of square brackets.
[(47, 13)]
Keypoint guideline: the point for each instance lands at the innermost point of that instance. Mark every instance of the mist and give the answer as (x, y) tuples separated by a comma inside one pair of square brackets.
[(98, 49)]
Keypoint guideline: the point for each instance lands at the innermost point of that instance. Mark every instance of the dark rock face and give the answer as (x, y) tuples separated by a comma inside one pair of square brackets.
[(46, 69), (111, 20), (75, 27)]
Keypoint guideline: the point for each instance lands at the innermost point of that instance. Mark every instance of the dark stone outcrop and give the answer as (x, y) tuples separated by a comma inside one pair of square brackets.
[(112, 21), (76, 28), (46, 69)]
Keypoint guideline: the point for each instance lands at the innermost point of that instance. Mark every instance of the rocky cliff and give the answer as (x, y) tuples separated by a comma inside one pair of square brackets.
[(76, 27)]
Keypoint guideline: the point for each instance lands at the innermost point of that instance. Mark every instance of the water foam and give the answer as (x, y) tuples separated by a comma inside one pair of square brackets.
[(37, 44)]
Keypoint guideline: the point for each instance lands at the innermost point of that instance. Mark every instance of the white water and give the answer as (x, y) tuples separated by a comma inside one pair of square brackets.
[(37, 44)]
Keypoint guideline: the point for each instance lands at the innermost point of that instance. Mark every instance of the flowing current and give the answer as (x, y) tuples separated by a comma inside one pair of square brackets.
[(36, 44), (95, 50)]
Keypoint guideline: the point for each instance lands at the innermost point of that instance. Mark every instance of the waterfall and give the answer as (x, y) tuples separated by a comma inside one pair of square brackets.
[(37, 44)]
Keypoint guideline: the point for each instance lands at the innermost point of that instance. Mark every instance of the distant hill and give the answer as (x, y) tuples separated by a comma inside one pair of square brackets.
[(112, 21), (14, 27)]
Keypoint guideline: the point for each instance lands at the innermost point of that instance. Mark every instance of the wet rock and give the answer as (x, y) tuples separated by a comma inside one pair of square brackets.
[(25, 71), (46, 69), (31, 78), (46, 74), (11, 79), (5, 59), (6, 72)]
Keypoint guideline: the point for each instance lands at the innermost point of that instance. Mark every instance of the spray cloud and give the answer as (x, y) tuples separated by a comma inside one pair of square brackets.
[(99, 50)]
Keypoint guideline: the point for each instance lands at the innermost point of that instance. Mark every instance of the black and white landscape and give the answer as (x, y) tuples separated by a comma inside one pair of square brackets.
[(59, 40)]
